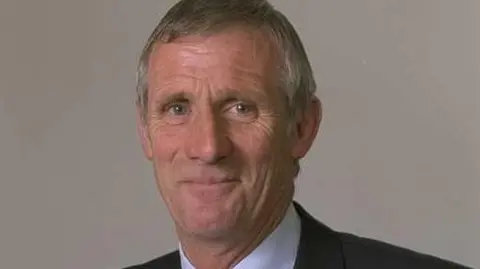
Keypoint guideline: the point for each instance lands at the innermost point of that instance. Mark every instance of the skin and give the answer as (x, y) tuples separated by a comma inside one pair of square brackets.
[(216, 134)]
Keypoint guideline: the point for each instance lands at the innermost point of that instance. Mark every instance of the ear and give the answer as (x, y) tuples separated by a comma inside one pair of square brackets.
[(306, 128), (142, 129)]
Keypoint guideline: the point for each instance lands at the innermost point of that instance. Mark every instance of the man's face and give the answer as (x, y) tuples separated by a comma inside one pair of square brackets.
[(216, 132)]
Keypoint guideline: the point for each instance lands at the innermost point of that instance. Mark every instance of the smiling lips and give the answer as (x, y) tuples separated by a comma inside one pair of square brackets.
[(211, 189), (208, 180)]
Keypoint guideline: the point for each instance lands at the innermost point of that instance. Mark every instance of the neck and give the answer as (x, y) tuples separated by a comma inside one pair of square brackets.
[(224, 254)]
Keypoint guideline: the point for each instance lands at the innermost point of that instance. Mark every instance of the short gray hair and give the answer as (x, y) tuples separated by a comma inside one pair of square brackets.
[(190, 17)]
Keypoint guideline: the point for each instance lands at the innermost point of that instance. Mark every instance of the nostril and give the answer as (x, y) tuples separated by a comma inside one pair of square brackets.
[(210, 148)]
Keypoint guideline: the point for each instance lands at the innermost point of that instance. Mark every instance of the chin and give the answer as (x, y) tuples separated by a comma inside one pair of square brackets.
[(206, 216), (210, 221), (213, 233)]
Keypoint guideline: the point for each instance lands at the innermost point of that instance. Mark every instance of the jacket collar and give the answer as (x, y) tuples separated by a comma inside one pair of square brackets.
[(320, 247)]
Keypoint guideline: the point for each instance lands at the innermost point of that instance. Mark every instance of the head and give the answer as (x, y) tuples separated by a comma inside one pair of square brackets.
[(226, 109)]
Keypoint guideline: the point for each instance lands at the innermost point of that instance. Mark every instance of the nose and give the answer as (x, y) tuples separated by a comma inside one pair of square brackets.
[(208, 141)]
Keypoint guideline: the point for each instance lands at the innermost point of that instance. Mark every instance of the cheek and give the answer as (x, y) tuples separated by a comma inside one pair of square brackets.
[(265, 171), (261, 145), (166, 142), (253, 140)]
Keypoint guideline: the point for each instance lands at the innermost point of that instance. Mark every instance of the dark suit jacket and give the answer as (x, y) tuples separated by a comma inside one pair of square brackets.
[(322, 248)]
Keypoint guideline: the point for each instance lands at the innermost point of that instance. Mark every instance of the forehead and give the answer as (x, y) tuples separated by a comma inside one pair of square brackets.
[(236, 52)]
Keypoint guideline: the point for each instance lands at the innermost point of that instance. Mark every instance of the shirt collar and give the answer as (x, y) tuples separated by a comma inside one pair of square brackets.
[(277, 251)]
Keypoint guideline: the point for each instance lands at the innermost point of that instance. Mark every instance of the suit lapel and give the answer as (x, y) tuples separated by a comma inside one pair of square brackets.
[(320, 247), (169, 261), (174, 261)]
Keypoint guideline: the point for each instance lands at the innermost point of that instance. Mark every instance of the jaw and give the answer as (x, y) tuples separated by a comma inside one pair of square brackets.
[(224, 248)]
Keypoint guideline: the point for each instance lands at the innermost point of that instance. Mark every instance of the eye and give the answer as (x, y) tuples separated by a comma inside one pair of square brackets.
[(242, 108), (175, 112), (179, 108), (242, 111)]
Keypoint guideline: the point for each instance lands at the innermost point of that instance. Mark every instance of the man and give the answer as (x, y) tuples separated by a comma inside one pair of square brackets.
[(226, 109)]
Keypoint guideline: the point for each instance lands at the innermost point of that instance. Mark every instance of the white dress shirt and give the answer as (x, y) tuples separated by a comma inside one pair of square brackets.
[(277, 251)]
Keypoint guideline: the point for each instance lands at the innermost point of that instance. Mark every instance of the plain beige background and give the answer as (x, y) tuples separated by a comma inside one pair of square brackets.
[(397, 158)]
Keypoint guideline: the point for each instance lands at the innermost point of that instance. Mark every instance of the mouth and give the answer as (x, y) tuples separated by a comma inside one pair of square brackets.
[(209, 190), (208, 181)]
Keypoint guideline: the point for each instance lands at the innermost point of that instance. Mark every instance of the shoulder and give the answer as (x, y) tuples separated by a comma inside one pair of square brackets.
[(322, 245), (359, 252), (170, 260)]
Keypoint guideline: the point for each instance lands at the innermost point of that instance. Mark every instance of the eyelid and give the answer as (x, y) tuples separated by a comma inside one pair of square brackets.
[(233, 102), (165, 106), (163, 98), (250, 108)]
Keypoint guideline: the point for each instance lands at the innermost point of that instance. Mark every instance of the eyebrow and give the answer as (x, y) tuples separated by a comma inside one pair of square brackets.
[(224, 93), (234, 93), (162, 98)]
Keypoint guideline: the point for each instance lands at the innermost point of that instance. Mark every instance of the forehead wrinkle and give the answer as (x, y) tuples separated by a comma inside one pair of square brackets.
[(248, 73), (235, 43), (180, 58), (172, 80), (262, 78), (193, 90), (240, 48), (250, 63), (163, 87)]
